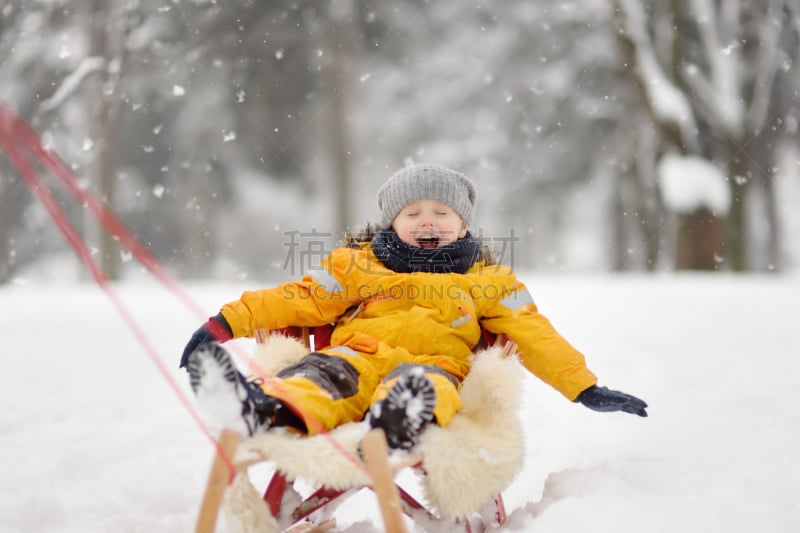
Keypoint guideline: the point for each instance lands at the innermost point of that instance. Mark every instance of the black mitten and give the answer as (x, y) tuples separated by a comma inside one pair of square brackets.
[(215, 329), (605, 400)]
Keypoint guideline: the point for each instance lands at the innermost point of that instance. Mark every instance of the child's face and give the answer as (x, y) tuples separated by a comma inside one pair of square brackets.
[(428, 224)]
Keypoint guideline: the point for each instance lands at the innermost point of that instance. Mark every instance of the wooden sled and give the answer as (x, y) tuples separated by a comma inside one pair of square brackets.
[(462, 468)]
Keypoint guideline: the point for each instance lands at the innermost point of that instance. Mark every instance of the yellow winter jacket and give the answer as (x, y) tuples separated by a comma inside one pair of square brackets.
[(438, 316)]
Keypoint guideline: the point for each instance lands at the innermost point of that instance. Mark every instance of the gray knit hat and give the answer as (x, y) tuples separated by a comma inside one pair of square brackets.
[(426, 181)]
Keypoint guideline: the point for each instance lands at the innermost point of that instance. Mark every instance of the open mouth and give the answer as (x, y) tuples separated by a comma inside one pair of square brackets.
[(428, 241)]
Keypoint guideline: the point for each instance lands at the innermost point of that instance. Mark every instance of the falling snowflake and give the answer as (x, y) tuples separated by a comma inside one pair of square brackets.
[(178, 90)]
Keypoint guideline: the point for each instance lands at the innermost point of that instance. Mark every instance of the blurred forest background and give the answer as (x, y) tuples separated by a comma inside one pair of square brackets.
[(240, 139)]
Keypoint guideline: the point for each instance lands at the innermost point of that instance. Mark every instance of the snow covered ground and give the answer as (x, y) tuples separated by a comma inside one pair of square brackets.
[(92, 438)]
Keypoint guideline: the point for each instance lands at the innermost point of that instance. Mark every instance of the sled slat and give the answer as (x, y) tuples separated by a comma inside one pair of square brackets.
[(376, 456), (218, 480)]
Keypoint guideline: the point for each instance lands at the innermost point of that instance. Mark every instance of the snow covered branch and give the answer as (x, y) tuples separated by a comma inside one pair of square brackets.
[(689, 183), (70, 84), (668, 102), (720, 93), (767, 65)]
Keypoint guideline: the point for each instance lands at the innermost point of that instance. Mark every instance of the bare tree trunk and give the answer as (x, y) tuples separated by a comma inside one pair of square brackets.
[(764, 162), (735, 235), (774, 258), (104, 34), (699, 235), (619, 235), (12, 203), (648, 200), (338, 133), (198, 229)]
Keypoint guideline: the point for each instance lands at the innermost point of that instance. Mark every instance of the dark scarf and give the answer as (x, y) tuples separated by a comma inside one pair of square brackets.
[(456, 257)]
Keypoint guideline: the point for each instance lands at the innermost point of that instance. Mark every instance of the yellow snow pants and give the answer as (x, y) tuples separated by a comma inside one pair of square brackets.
[(338, 384)]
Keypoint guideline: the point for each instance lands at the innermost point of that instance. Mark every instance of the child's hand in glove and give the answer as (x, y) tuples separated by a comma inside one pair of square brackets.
[(605, 400), (215, 329)]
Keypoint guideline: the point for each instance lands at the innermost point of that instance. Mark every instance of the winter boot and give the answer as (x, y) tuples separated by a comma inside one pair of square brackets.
[(225, 397), (406, 410)]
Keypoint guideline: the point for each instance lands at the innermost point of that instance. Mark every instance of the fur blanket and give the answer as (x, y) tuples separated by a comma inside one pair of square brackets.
[(465, 464)]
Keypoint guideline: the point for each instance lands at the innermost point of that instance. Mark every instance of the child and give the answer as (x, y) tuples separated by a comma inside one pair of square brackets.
[(408, 306)]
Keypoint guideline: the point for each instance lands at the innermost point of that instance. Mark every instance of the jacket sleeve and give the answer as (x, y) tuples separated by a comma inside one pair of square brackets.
[(320, 297), (543, 351)]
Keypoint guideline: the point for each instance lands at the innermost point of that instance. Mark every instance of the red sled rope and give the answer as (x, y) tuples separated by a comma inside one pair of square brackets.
[(14, 131)]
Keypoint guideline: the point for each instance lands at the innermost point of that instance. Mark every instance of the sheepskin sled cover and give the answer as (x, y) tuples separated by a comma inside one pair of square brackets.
[(465, 464)]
